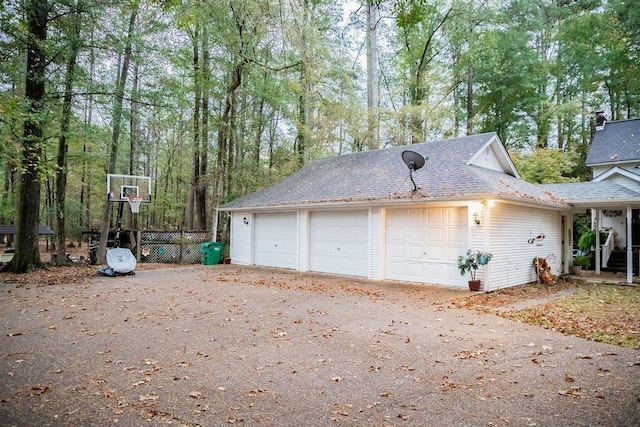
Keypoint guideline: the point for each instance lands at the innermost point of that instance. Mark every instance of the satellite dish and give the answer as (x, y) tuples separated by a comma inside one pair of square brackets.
[(414, 161)]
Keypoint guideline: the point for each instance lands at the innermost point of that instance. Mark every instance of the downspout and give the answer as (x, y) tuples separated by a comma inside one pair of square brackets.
[(214, 231), (487, 240), (597, 228), (566, 242), (629, 247)]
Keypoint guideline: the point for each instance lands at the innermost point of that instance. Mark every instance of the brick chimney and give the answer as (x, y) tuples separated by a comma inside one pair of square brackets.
[(597, 123)]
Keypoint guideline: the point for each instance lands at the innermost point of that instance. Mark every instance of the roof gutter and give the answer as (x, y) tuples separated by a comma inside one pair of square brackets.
[(457, 201)]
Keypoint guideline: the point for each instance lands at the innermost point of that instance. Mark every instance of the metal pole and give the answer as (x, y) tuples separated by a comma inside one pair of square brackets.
[(597, 229), (629, 247), (214, 232)]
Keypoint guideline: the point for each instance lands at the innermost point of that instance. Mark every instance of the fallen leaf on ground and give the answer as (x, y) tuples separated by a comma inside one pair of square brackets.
[(573, 392), (148, 398), (196, 395), (39, 389)]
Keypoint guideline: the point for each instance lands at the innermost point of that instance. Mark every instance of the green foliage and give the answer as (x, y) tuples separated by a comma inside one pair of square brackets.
[(581, 223), (545, 166), (587, 240), (471, 261), (583, 261), (505, 78)]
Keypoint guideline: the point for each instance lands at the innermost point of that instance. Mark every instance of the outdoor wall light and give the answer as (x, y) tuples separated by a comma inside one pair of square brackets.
[(245, 220), (476, 218)]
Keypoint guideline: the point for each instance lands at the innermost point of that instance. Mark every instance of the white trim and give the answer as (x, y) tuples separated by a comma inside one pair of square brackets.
[(501, 153), (617, 170), (397, 203)]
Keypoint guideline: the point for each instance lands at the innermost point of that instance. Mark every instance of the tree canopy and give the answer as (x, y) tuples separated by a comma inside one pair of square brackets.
[(215, 99)]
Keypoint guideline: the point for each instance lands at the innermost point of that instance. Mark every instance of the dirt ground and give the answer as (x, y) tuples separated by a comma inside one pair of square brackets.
[(219, 345)]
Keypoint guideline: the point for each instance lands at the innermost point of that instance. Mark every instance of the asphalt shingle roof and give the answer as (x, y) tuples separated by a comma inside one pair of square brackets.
[(593, 191), (381, 174), (619, 141)]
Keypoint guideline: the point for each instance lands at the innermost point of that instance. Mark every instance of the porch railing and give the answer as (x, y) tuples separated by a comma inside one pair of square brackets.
[(607, 248)]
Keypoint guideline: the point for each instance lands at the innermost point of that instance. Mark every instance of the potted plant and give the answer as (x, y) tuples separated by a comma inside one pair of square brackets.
[(470, 263), (580, 262)]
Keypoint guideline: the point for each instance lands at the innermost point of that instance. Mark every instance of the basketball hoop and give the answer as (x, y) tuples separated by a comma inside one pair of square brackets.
[(134, 203)]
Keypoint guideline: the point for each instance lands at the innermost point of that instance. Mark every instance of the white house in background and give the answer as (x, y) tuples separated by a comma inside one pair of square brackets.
[(614, 158), (358, 214)]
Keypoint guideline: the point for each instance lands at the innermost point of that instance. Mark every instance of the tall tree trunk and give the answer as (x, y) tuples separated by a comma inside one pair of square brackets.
[(201, 188), (8, 198), (373, 121), (61, 170), (134, 141), (27, 256), (115, 134), (195, 166), (419, 92), (225, 140), (470, 94), (303, 120), (470, 111), (85, 189), (305, 89)]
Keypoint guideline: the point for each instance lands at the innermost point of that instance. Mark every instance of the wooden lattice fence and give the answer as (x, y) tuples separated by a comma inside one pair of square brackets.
[(177, 247)]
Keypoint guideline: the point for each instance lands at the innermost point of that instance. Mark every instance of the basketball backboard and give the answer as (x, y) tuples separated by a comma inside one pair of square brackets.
[(120, 187)]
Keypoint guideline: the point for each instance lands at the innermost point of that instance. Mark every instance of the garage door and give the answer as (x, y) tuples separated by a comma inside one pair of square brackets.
[(339, 242), (275, 240), (423, 245)]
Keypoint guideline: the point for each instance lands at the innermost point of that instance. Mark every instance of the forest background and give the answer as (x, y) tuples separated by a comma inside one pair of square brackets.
[(214, 99)]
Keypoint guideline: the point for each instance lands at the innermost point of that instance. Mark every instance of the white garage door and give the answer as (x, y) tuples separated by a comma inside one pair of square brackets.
[(275, 240), (339, 242), (423, 245)]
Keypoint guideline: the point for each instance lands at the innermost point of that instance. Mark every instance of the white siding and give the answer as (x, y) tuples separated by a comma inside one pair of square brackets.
[(510, 229), (303, 241), (376, 227), (599, 170), (488, 159), (478, 236), (411, 244), (240, 251)]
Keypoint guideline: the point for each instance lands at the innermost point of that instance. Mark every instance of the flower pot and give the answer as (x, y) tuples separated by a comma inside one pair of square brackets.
[(575, 269), (474, 285)]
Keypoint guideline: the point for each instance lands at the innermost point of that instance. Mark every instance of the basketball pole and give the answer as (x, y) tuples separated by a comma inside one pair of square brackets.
[(116, 242)]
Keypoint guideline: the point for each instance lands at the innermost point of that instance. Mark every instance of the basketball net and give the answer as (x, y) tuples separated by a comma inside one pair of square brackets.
[(134, 203)]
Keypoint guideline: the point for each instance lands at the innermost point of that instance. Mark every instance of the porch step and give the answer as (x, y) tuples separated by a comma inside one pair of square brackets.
[(618, 262)]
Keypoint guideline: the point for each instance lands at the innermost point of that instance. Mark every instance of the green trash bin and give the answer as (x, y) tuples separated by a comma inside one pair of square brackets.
[(211, 252)]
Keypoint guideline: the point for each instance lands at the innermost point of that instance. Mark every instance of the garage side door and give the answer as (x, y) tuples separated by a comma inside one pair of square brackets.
[(423, 245), (339, 242), (275, 240)]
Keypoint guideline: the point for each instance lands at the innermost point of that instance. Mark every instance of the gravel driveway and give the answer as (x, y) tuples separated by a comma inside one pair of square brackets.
[(221, 345)]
